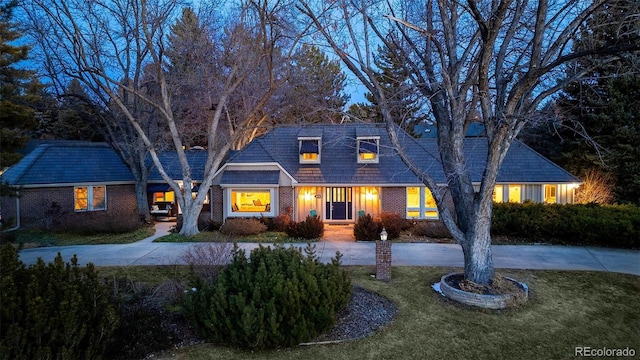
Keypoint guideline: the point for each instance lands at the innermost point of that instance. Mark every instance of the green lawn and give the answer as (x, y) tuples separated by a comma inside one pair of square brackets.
[(566, 309), (36, 238)]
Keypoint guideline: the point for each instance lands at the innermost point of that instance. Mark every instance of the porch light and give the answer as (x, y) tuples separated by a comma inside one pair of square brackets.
[(383, 235)]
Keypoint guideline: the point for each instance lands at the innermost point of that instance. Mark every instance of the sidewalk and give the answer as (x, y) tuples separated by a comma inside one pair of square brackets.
[(545, 257)]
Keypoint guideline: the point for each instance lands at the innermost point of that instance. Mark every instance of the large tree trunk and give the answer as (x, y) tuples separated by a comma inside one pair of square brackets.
[(476, 248), (190, 217)]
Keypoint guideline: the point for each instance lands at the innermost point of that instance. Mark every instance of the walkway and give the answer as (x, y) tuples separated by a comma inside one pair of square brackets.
[(546, 257)]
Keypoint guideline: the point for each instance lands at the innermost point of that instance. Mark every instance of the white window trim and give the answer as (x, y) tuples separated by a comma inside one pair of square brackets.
[(422, 210), (377, 157), (272, 193), (89, 198), (304, 161)]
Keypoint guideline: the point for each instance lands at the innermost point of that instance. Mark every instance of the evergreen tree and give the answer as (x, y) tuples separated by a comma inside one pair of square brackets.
[(403, 98), (315, 90), (17, 89), (604, 104)]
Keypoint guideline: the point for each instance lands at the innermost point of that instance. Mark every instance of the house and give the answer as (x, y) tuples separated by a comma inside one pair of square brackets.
[(340, 172), (75, 181), (335, 171)]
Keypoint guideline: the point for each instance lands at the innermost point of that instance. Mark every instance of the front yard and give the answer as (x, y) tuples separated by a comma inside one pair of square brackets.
[(566, 310), (39, 238)]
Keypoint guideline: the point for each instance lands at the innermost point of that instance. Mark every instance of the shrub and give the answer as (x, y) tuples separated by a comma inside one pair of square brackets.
[(206, 260), (278, 223), (243, 226), (56, 311), (393, 224), (432, 229), (590, 224), (311, 228), (366, 228), (278, 297)]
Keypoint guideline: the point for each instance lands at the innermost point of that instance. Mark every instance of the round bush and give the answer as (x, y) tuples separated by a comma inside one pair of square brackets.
[(275, 298)]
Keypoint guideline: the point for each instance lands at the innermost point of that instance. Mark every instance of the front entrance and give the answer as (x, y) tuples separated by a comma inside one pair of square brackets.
[(338, 203)]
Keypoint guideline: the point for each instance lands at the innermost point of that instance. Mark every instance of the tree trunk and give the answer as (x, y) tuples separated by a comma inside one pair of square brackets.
[(478, 261), (190, 215), (142, 201)]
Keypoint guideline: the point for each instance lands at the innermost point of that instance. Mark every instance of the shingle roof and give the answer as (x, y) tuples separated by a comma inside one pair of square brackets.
[(68, 162), (339, 162), (197, 160), (235, 177)]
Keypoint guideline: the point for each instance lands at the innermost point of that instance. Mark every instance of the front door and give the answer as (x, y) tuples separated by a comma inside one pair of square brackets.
[(338, 203)]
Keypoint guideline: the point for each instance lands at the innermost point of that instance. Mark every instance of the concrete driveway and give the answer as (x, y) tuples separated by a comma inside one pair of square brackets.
[(546, 257)]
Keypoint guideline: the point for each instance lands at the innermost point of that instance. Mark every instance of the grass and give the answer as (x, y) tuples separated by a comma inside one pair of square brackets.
[(565, 310), (216, 236), (39, 238)]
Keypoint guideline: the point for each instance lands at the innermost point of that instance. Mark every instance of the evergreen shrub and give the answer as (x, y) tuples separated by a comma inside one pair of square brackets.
[(367, 228), (243, 226), (590, 224), (277, 297), (430, 228), (311, 228), (53, 311)]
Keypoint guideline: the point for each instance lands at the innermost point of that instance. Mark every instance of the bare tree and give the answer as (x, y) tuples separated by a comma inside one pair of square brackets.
[(117, 50), (493, 62)]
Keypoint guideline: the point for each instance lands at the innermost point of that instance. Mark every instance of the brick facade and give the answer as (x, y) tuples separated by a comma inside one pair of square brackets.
[(217, 206), (53, 207), (286, 197), (394, 200), (383, 260)]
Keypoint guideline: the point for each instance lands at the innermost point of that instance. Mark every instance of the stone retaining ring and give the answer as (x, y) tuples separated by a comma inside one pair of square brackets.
[(501, 301)]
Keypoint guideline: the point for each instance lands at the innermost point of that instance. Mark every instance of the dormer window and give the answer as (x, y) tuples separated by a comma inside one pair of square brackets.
[(310, 150), (368, 150)]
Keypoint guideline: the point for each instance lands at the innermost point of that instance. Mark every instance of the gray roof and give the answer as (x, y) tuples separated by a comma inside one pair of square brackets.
[(68, 162), (339, 162), (235, 177), (338, 155), (197, 160)]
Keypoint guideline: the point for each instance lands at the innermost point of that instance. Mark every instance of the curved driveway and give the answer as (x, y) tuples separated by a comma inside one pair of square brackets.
[(548, 257)]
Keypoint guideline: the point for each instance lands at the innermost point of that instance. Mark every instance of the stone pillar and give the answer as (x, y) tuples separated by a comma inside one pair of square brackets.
[(383, 260)]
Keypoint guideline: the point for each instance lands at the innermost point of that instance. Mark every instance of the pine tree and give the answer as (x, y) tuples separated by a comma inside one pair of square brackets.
[(17, 89), (605, 104), (403, 98)]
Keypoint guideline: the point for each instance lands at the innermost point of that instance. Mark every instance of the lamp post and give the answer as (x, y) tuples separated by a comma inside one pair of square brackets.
[(383, 257)]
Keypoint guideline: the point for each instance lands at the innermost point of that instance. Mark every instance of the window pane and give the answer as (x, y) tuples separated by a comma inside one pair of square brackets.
[(250, 201), (169, 196), (99, 199), (413, 214), (514, 193), (431, 215), (429, 201), (550, 194), (309, 156), (81, 199), (413, 197), (498, 194), (367, 156)]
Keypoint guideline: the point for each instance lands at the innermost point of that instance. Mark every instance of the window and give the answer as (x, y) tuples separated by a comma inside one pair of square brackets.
[(368, 150), (168, 196), (498, 194), (421, 204), (309, 150), (514, 193), (89, 198), (550, 194), (250, 202)]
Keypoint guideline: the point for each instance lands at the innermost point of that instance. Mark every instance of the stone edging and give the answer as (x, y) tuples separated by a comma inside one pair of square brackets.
[(484, 301)]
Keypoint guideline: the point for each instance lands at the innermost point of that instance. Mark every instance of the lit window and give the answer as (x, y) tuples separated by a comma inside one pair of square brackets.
[(309, 150), (368, 150), (550, 194), (498, 194), (250, 201), (421, 204), (168, 196), (515, 193), (89, 198)]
